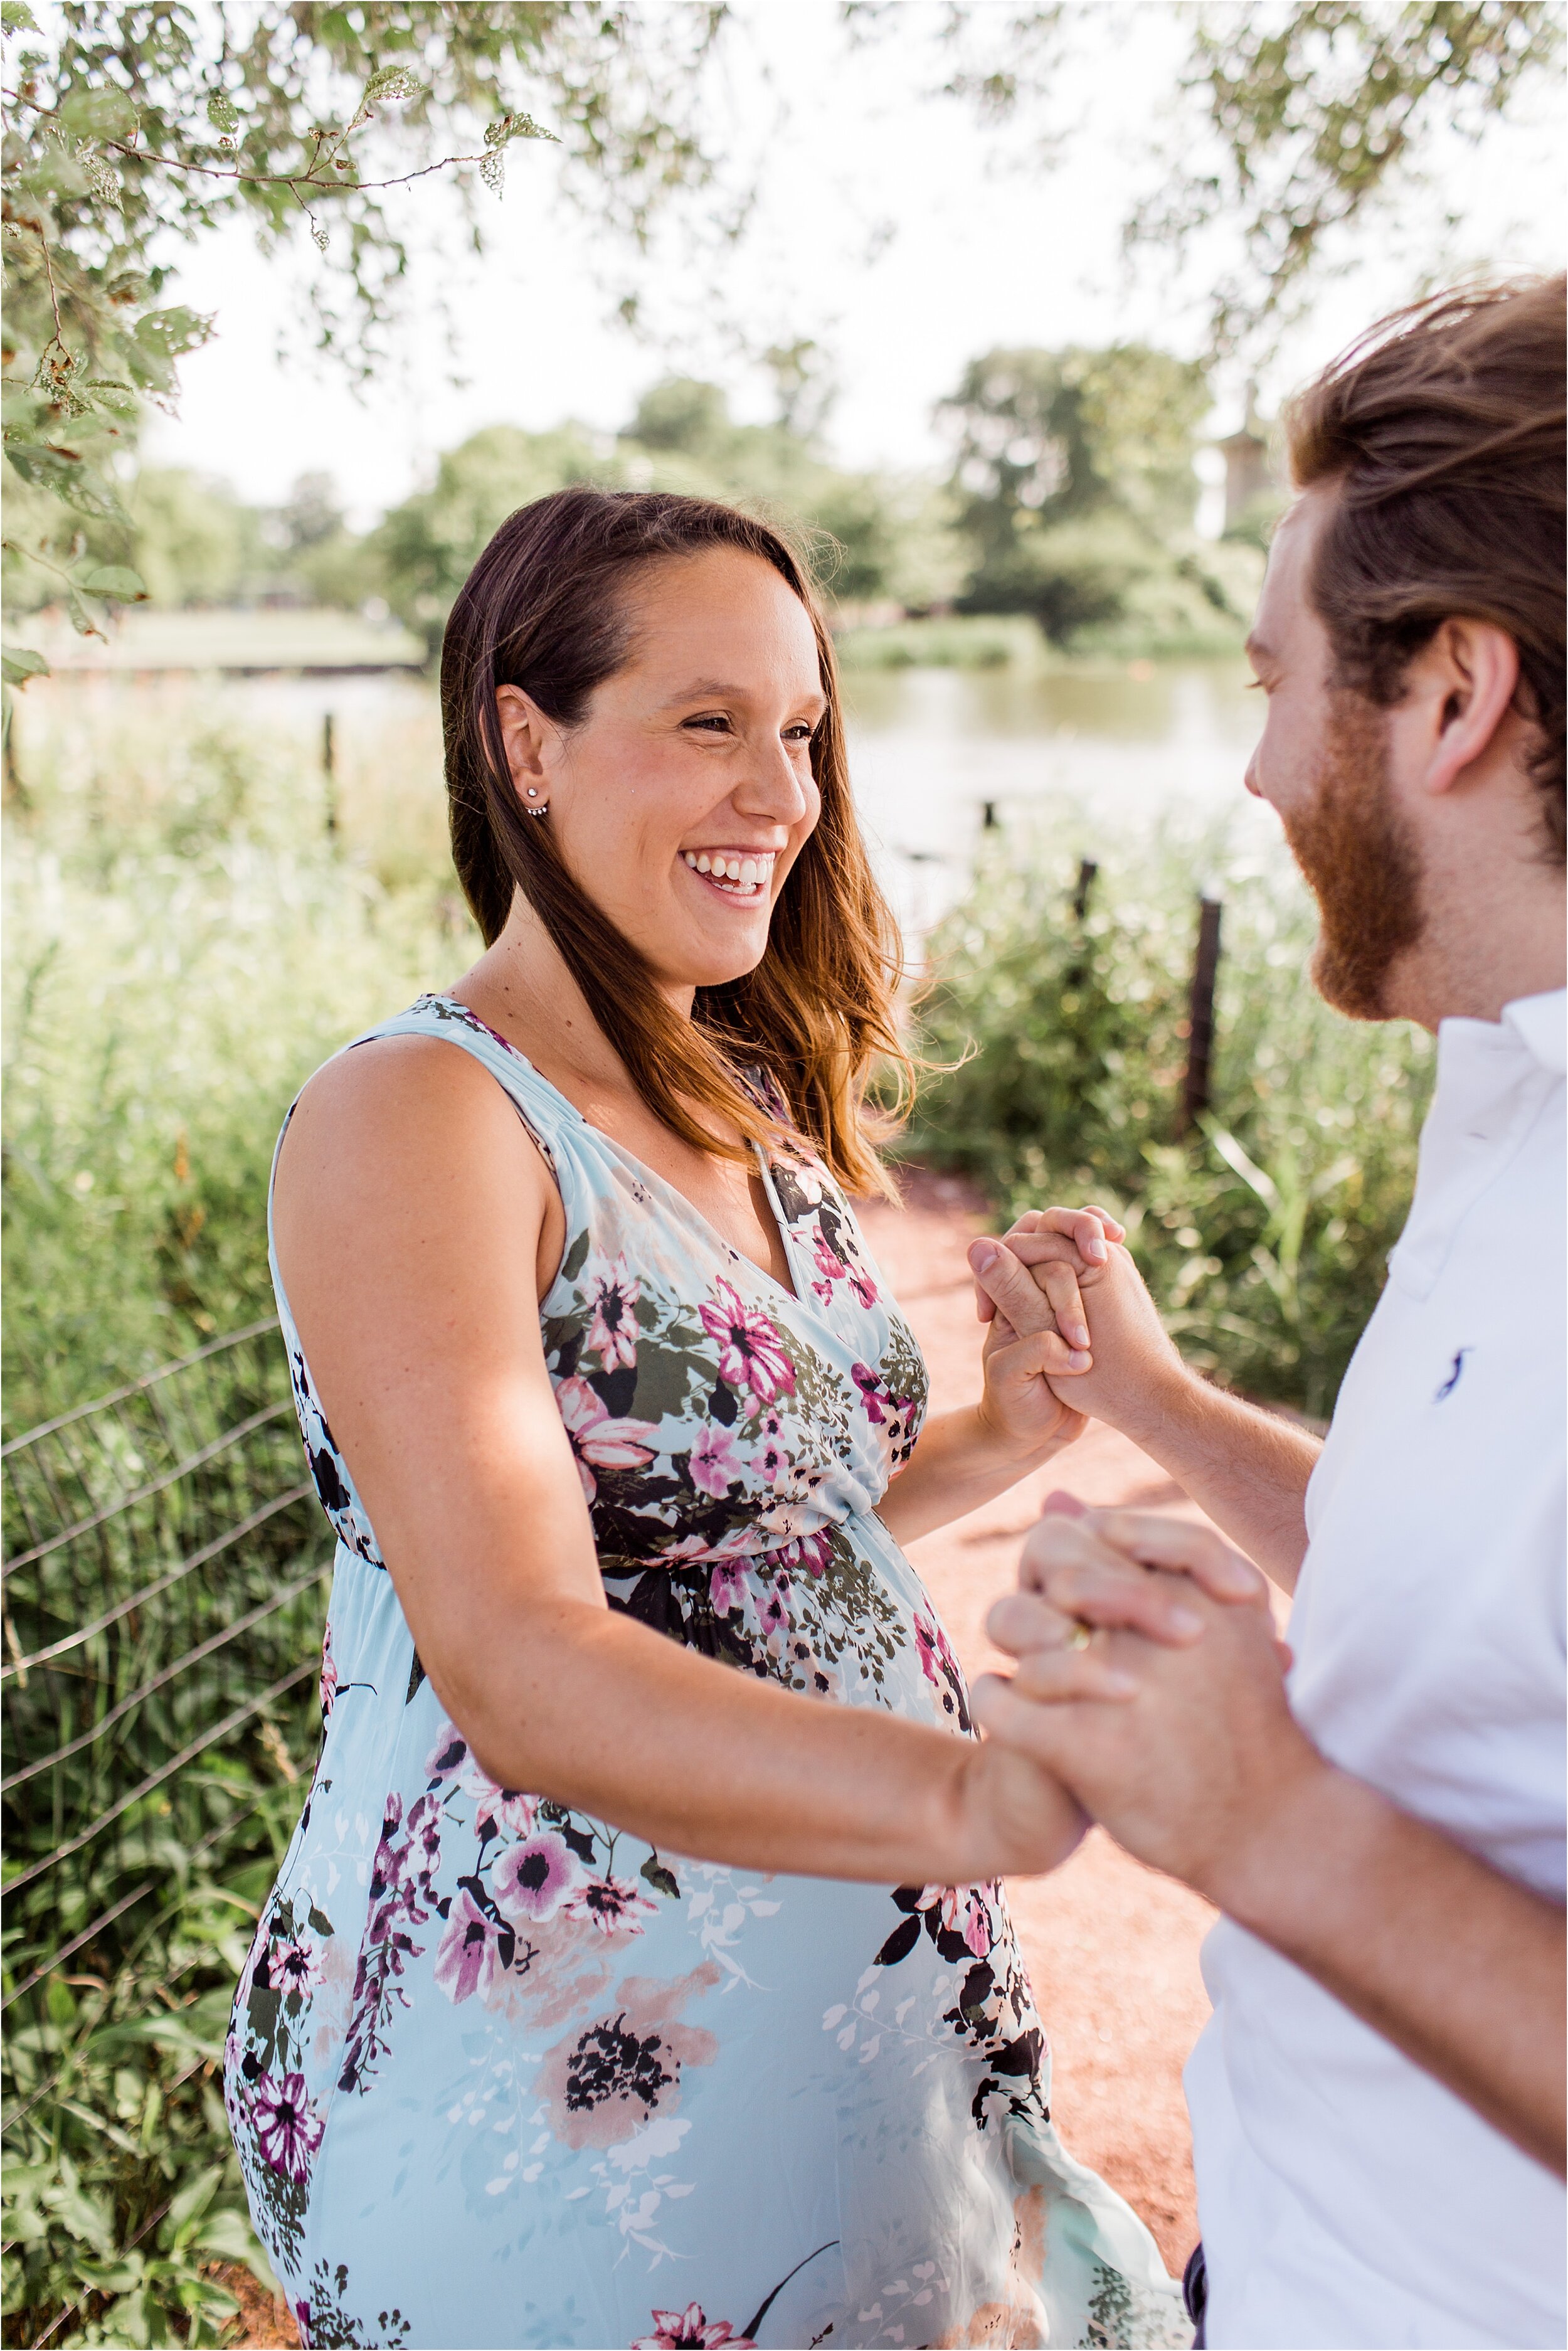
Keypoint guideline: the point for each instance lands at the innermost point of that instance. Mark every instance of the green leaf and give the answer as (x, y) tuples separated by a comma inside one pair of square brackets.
[(64, 473), (226, 2237), (81, 619), (190, 2202), (391, 84), (120, 399), (660, 1878), (222, 112), (21, 663), (116, 579), (16, 18), (83, 2217)]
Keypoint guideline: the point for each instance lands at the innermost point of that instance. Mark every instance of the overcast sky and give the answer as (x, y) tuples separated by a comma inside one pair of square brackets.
[(893, 228)]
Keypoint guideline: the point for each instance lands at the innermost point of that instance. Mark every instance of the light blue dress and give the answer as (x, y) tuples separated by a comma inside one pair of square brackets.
[(501, 2075)]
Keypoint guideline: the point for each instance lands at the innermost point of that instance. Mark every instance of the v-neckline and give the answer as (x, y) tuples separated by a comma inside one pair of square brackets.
[(651, 1176)]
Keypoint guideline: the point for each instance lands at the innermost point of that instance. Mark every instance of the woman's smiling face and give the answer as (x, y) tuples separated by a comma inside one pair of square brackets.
[(681, 798)]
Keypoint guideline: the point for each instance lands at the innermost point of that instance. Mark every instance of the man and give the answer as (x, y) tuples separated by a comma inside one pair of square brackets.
[(1377, 2102)]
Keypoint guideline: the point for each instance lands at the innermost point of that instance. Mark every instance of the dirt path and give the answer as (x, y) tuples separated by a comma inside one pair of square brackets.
[(1111, 1948)]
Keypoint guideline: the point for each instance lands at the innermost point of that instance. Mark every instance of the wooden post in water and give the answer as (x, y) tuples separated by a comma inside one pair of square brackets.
[(1200, 1016), (330, 770)]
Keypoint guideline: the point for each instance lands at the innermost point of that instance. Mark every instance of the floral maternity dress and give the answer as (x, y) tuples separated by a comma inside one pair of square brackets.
[(501, 2075)]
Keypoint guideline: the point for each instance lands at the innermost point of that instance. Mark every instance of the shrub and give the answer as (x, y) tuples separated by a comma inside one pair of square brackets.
[(1264, 1233)]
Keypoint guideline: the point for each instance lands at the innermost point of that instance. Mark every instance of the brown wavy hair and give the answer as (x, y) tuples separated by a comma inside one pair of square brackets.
[(1442, 428), (547, 608)]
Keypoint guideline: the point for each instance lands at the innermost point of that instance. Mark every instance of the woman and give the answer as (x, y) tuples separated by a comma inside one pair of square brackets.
[(610, 1995)]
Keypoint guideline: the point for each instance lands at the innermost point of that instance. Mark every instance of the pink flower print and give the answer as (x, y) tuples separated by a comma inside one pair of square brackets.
[(871, 1390), (774, 1610), (612, 1904), (942, 1669), (814, 1551), (726, 1587), (691, 2330), (830, 1265), (604, 2079), (965, 1912), (775, 1462), (598, 1441), (532, 1879), (751, 1352), (713, 1463), (472, 1954), (289, 2129), (294, 1966), (612, 1334), (328, 1673), (861, 1284)]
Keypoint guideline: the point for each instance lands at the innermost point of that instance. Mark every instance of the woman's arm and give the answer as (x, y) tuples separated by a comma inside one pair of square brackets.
[(409, 1213)]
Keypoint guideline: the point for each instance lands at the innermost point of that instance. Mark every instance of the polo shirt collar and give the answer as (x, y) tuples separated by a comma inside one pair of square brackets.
[(1541, 1022)]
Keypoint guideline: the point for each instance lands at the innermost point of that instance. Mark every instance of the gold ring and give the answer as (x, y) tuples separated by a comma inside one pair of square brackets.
[(1080, 1635)]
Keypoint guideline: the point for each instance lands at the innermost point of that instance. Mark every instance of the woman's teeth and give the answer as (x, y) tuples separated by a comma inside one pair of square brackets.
[(737, 876)]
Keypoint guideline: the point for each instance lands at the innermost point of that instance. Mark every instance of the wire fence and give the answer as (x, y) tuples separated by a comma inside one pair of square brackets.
[(164, 1589)]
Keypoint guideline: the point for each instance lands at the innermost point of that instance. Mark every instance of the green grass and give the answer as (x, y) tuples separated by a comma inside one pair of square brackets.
[(185, 944)]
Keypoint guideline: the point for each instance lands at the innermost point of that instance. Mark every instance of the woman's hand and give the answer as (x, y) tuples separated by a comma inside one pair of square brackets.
[(1070, 1249), (1135, 1372), (964, 1458)]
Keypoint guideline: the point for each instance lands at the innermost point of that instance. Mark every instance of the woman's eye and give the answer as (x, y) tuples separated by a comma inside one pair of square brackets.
[(800, 732), (713, 721)]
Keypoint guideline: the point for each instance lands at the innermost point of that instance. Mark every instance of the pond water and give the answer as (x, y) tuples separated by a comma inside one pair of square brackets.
[(936, 755)]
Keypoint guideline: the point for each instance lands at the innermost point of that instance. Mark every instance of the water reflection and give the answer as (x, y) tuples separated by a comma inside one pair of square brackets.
[(932, 750)]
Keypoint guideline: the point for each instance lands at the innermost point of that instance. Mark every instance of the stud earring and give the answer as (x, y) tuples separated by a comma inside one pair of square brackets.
[(533, 795)]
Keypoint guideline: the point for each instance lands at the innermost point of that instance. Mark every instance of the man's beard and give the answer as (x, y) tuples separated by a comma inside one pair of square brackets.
[(1360, 863)]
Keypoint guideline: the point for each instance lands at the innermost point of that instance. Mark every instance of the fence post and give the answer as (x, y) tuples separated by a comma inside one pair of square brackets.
[(1200, 1016), (330, 770)]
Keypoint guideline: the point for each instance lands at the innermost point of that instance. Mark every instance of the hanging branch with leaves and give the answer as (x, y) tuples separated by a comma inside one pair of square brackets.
[(126, 123)]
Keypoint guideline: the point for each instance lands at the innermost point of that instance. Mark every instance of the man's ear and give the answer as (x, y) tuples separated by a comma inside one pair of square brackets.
[(1466, 679), (530, 738)]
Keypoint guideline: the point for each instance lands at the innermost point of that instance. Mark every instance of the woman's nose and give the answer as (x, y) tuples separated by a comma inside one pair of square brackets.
[(774, 786)]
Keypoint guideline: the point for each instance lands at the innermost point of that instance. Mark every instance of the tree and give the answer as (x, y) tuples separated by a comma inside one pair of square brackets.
[(124, 121), (1074, 481), (1295, 120), (1314, 113), (424, 549)]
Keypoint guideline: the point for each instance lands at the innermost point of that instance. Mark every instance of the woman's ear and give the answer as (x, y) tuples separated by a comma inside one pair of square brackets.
[(530, 740)]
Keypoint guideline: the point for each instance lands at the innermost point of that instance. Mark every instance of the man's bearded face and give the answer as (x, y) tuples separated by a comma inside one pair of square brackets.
[(1360, 862)]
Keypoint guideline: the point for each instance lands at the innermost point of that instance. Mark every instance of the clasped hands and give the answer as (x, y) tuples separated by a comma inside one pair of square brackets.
[(1150, 1680)]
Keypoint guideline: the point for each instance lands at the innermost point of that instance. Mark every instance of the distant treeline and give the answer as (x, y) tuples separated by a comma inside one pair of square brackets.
[(1071, 500)]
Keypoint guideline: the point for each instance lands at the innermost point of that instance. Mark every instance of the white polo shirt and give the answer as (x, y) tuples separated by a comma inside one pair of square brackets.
[(1345, 2196)]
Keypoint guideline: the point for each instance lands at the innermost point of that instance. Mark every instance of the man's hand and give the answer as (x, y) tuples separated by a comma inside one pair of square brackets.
[(1136, 1371), (1205, 1773), (1194, 1770)]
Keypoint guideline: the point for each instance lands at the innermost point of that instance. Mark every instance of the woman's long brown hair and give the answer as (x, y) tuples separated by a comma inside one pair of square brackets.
[(546, 609)]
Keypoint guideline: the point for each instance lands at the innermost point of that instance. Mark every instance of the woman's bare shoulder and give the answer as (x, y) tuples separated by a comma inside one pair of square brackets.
[(400, 1113)]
